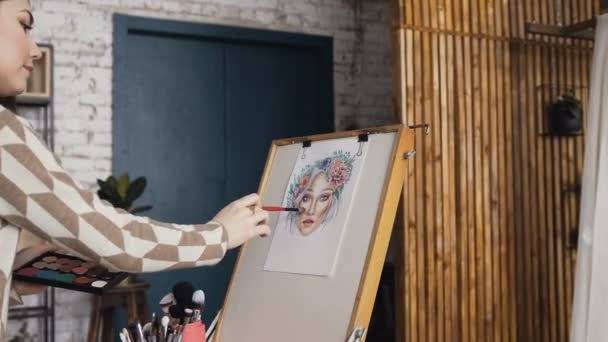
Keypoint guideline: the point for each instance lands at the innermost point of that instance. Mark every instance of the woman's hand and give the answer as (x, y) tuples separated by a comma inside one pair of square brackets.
[(22, 258), (243, 220)]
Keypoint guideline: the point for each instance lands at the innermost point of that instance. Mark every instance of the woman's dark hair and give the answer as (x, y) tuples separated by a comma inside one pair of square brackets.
[(9, 102)]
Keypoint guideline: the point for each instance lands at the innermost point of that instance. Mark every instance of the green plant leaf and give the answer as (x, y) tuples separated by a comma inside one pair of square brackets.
[(112, 181), (121, 193), (109, 193), (141, 209), (136, 189), (101, 183), (123, 185)]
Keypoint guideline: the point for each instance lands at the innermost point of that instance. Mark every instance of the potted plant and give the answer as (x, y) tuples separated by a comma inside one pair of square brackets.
[(565, 115), (122, 193)]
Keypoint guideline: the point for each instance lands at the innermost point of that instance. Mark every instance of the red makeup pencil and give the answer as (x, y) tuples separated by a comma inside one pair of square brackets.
[(271, 208)]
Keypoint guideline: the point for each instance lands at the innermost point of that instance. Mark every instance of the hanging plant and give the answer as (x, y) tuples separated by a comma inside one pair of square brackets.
[(565, 115)]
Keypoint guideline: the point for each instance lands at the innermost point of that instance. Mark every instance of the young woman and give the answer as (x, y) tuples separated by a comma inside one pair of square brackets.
[(39, 199)]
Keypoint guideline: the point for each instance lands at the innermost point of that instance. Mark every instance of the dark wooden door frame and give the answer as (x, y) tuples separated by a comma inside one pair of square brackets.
[(125, 24)]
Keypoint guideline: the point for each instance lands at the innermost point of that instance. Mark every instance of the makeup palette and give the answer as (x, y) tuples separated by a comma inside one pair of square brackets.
[(68, 272)]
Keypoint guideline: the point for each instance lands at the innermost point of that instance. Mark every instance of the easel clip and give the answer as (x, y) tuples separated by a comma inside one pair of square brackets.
[(357, 335), (409, 154), (305, 144)]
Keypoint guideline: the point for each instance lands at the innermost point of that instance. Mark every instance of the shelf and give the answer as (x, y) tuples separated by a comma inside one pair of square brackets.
[(552, 135), (33, 99), (581, 30)]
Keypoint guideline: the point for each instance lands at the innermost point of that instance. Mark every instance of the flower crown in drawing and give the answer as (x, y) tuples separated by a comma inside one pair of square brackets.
[(337, 170)]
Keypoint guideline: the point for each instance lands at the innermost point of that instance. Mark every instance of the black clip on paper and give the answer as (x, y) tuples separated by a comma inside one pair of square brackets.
[(305, 144), (362, 140)]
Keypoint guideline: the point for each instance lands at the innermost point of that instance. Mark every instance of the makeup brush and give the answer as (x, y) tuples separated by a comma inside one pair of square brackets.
[(140, 331), (147, 330), (182, 292), (127, 335), (133, 332), (166, 302), (188, 315), (198, 301), (155, 324), (165, 323), (187, 319), (176, 311)]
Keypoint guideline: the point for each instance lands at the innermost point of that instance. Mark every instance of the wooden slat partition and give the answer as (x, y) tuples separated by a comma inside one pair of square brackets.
[(488, 216)]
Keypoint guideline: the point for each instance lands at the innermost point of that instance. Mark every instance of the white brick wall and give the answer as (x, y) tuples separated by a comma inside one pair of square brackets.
[(81, 32)]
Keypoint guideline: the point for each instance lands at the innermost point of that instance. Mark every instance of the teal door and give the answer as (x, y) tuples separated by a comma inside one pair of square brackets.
[(195, 110)]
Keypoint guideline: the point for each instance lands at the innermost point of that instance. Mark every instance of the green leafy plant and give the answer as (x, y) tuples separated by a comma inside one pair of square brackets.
[(568, 98), (24, 335), (122, 193)]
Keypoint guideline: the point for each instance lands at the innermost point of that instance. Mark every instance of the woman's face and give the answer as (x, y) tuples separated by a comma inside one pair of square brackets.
[(314, 205), (17, 48)]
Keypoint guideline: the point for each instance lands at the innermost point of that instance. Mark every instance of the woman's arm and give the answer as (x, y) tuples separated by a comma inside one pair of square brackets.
[(21, 258), (37, 194)]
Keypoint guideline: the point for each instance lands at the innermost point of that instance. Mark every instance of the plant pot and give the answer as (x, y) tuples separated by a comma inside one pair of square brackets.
[(565, 118)]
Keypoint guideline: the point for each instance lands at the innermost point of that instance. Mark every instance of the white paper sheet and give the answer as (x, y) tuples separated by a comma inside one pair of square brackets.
[(322, 183)]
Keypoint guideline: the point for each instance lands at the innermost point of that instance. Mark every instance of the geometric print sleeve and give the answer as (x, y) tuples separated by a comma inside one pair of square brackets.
[(36, 194), (9, 237)]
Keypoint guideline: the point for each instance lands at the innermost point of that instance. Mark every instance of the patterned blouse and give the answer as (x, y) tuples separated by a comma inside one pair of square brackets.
[(38, 196)]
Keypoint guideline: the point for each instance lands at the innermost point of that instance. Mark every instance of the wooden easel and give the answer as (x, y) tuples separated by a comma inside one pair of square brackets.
[(393, 147)]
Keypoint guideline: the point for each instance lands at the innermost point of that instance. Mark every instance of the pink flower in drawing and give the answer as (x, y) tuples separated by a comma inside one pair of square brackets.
[(304, 181), (338, 173), (303, 184), (336, 170)]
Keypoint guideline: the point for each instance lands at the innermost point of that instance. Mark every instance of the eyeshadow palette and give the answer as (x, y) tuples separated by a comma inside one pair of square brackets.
[(68, 272)]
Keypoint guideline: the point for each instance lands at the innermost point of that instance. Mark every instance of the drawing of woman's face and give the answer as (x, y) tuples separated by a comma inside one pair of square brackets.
[(314, 205)]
